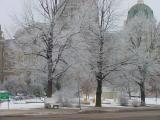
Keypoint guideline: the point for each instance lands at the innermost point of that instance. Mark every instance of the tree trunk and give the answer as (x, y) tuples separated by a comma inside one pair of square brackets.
[(49, 89), (49, 86), (129, 91), (50, 74), (58, 85), (99, 76), (143, 96), (99, 93), (50, 61), (50, 67)]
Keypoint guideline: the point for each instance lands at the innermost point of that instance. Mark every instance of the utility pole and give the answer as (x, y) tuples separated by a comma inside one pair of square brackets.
[(78, 87)]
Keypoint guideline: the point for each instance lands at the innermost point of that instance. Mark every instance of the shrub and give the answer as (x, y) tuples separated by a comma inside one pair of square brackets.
[(67, 103), (47, 106), (123, 101), (135, 103)]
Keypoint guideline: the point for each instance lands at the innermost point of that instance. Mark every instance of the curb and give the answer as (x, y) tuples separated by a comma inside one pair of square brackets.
[(87, 111), (118, 110)]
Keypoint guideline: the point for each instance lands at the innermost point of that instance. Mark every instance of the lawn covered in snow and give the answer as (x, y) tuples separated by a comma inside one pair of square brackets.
[(115, 103), (22, 104), (37, 103), (153, 101)]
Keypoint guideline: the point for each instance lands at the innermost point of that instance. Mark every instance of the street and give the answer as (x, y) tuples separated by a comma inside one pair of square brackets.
[(143, 115)]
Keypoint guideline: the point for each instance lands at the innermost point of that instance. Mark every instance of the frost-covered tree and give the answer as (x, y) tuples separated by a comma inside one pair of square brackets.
[(68, 48), (102, 47), (142, 47), (15, 86), (48, 41)]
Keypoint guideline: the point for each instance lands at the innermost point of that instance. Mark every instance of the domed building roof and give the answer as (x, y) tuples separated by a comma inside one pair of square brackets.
[(140, 9)]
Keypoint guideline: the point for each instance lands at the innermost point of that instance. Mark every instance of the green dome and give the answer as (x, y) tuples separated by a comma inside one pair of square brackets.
[(139, 10)]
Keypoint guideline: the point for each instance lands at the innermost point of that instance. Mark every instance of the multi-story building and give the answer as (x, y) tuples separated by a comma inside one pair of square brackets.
[(6, 58)]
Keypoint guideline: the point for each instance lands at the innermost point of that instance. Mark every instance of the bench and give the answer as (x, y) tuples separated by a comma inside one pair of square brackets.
[(50, 103), (55, 106), (51, 106)]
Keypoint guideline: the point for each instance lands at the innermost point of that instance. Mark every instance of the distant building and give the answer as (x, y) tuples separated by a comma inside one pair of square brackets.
[(1, 56), (141, 10), (6, 58)]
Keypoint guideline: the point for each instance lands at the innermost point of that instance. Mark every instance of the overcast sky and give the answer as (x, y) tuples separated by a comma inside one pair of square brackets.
[(11, 8)]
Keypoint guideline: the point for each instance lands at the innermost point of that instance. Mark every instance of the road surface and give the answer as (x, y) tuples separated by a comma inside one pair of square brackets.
[(143, 115)]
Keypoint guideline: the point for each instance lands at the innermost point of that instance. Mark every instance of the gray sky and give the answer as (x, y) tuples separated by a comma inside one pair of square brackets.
[(11, 8)]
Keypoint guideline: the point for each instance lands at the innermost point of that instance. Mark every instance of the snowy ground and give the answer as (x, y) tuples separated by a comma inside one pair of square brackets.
[(22, 104), (110, 103), (37, 103), (114, 103), (153, 101)]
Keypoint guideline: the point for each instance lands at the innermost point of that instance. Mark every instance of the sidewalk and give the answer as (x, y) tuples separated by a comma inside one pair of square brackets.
[(37, 112), (45, 112), (120, 109)]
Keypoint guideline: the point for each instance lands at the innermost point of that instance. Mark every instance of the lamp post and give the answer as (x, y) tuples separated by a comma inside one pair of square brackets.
[(79, 95)]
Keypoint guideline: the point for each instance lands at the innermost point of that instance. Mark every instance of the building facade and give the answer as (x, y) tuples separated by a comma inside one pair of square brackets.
[(6, 58)]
